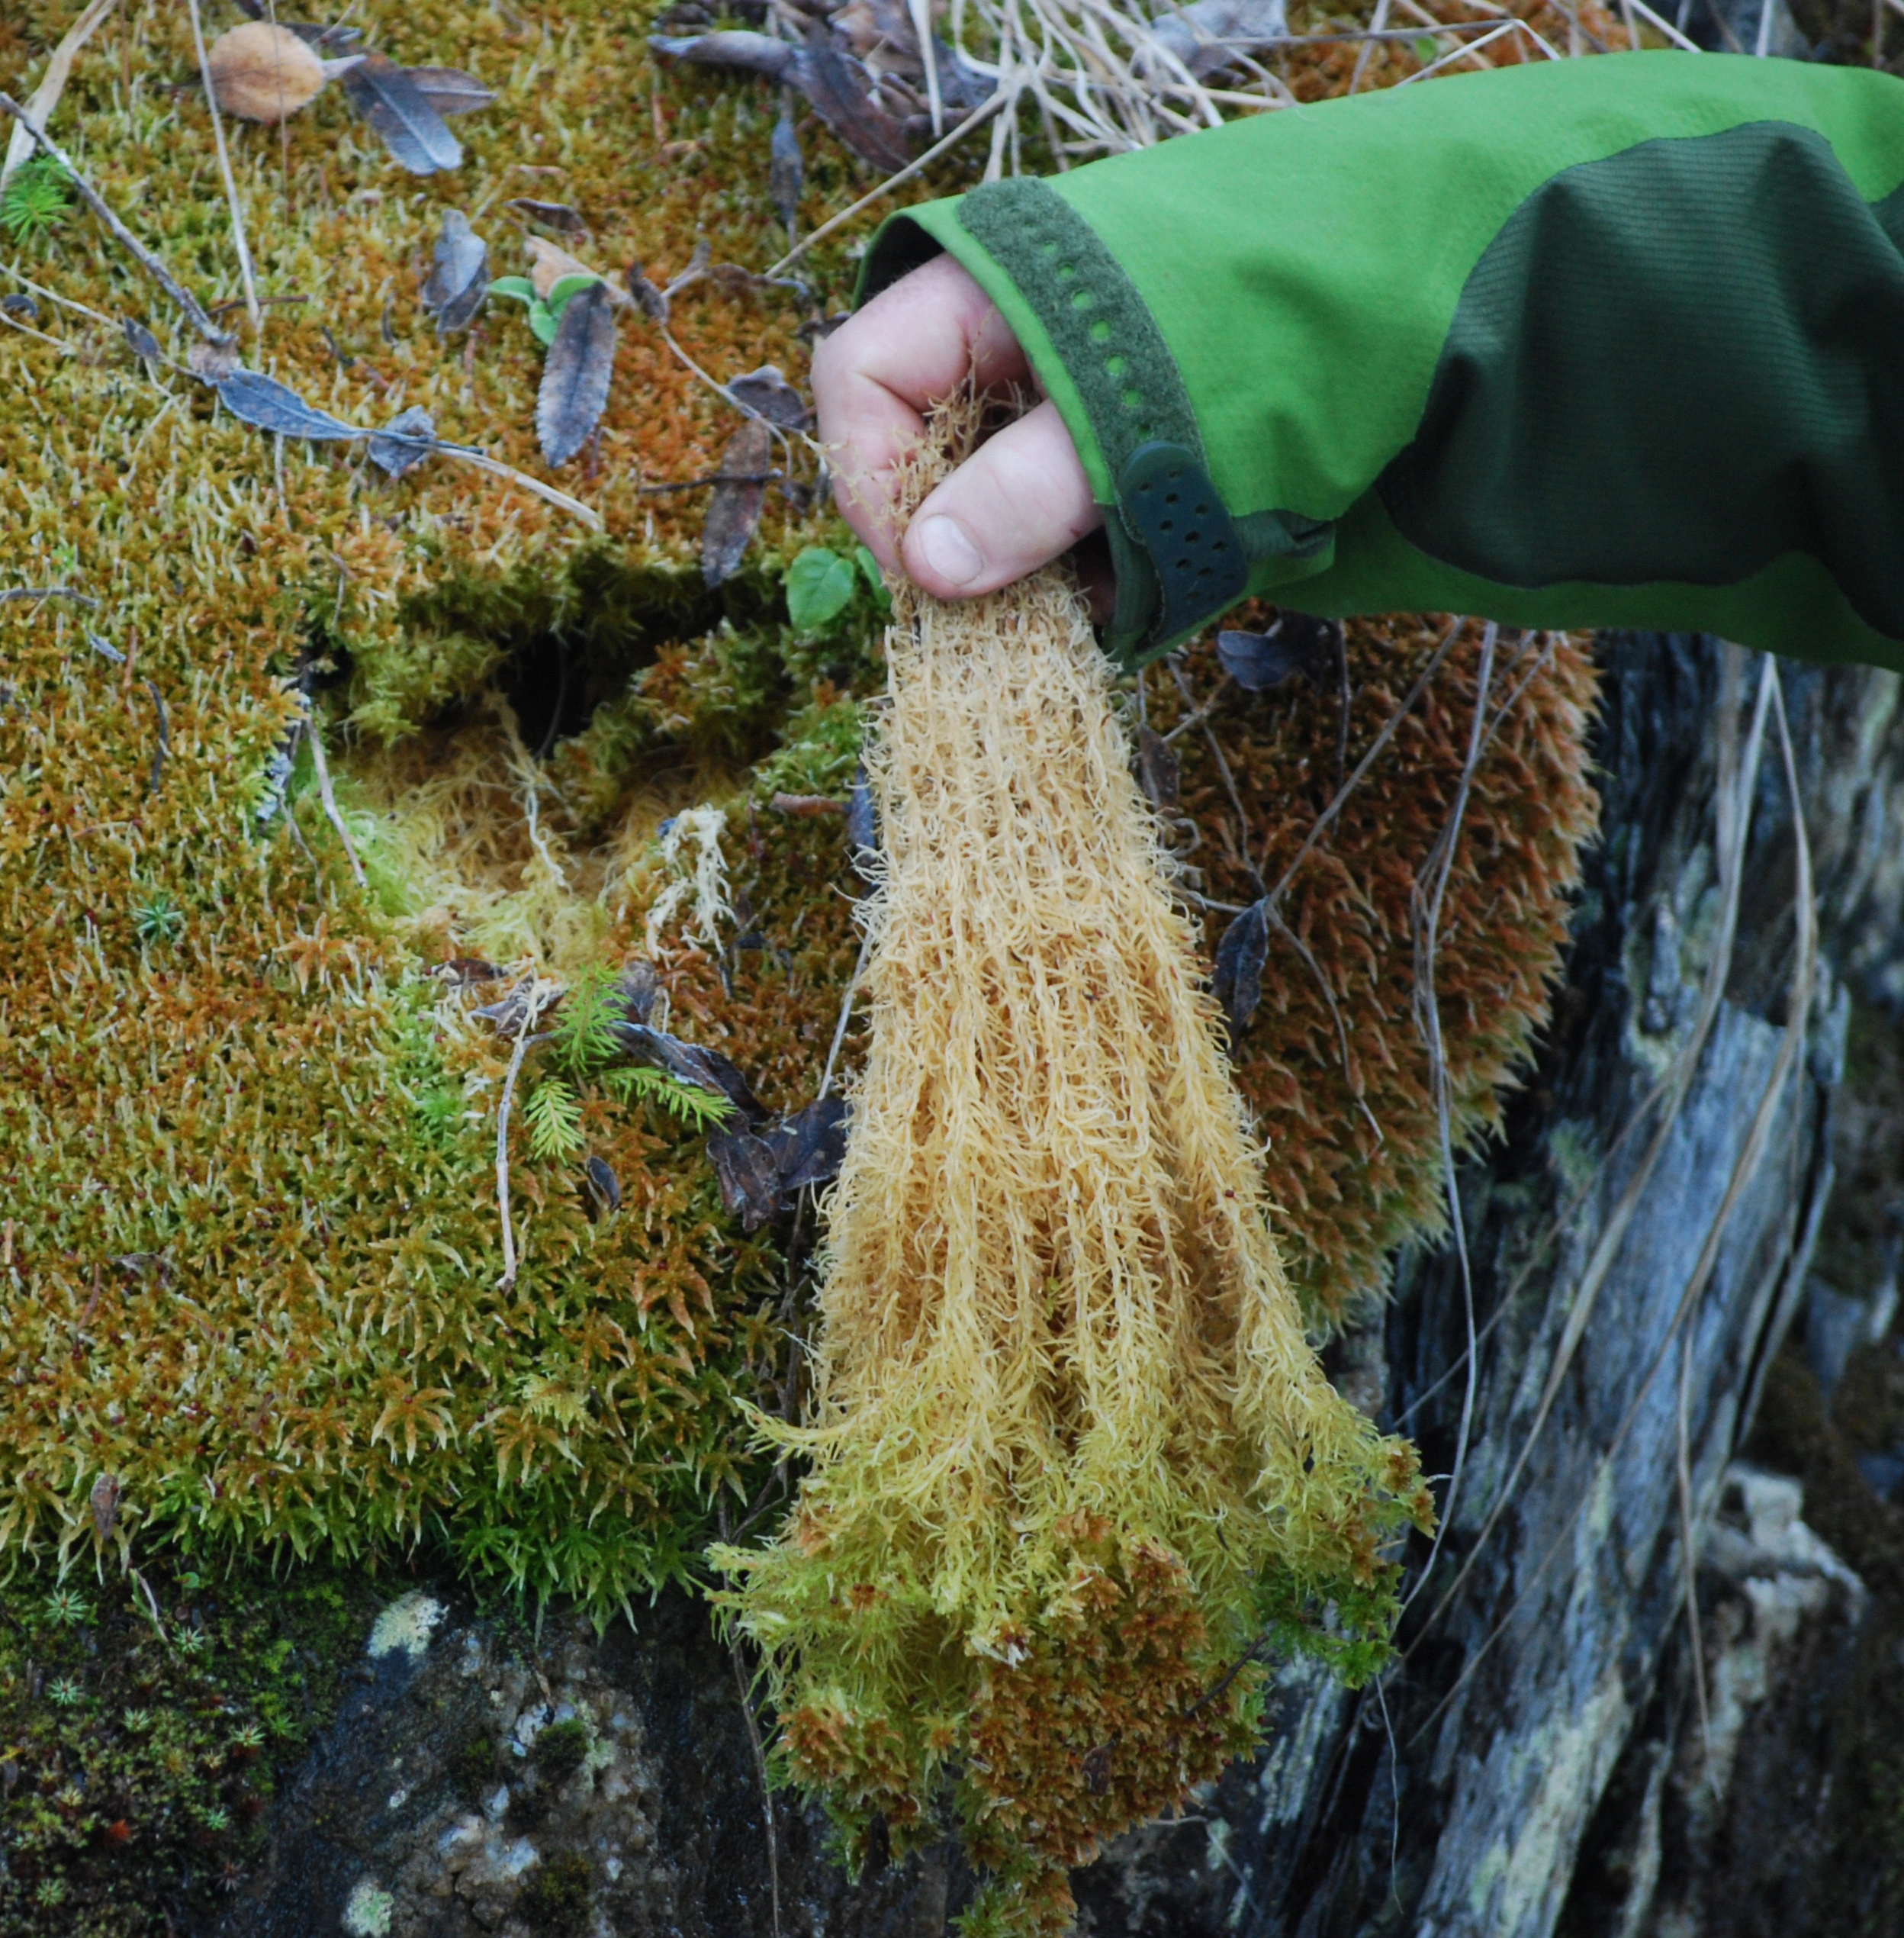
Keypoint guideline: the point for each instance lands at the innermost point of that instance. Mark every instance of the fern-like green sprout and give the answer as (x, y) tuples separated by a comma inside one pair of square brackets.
[(700, 1110), (35, 200), (554, 1116), (584, 1031)]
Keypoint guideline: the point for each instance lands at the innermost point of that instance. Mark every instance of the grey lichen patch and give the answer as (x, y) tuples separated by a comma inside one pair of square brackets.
[(484, 1784), (406, 1624)]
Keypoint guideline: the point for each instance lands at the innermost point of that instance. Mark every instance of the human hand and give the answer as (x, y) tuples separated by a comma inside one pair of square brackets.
[(1015, 505)]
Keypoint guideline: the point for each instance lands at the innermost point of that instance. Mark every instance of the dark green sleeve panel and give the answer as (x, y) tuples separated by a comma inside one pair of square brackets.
[(1596, 342)]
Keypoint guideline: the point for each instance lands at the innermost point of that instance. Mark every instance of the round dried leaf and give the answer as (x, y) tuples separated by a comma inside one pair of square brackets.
[(264, 73)]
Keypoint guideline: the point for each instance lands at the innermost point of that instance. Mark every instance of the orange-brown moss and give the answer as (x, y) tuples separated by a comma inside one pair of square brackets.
[(1351, 1161)]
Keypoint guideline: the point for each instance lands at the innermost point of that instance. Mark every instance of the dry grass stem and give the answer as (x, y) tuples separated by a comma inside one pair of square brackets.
[(224, 169)]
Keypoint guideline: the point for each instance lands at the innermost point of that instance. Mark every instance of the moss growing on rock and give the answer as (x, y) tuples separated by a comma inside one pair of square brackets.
[(144, 1723)]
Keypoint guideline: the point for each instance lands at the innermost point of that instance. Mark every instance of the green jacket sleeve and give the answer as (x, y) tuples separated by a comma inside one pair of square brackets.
[(1609, 342)]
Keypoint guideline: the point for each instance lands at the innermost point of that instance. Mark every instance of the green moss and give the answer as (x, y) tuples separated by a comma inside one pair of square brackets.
[(144, 1729), (562, 1749), (555, 1899)]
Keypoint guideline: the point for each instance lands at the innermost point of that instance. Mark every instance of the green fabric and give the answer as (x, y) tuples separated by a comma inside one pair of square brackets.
[(1660, 276), (1127, 379), (1792, 606), (1306, 269)]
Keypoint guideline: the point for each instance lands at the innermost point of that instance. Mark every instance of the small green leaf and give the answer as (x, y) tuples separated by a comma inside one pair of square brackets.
[(520, 287), (545, 322), (870, 566), (1426, 52), (563, 288), (819, 585)]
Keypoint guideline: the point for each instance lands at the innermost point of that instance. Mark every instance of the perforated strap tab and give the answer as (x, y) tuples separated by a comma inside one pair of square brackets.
[(1165, 495)]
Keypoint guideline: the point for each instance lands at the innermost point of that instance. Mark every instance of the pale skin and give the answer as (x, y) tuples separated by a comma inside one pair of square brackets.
[(1019, 502)]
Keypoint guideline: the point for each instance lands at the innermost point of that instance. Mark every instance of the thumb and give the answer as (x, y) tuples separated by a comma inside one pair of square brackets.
[(1020, 500)]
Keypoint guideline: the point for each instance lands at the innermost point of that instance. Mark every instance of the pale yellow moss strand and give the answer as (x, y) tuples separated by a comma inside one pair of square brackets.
[(1052, 1284)]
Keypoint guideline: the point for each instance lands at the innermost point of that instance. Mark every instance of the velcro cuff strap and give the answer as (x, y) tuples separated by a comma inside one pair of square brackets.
[(1172, 509)]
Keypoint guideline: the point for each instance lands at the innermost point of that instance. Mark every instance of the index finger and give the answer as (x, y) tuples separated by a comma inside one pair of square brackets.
[(877, 374)]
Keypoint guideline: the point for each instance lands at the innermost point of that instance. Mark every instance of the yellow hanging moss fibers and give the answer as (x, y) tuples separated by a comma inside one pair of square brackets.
[(1071, 1451)]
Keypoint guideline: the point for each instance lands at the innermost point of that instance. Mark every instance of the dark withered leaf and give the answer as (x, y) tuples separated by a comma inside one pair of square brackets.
[(650, 301), (834, 86), (577, 373), (810, 1146), (467, 969), (1158, 772), (734, 507), (558, 216), (742, 52), (393, 103), (1296, 645), (766, 390), (1240, 955), (1209, 35), (748, 1175), (692, 1063), (330, 40), (17, 305), (787, 171), (863, 826), (140, 341), (404, 443), (449, 90), (604, 1187), (212, 361), (262, 401), (459, 280), (639, 991)]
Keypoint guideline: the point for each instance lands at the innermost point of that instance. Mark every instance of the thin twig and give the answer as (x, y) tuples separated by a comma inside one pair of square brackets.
[(712, 477), (1689, 1553), (535, 486), (1732, 810), (52, 83), (532, 1007), (121, 234), (1428, 1016), (759, 1755), (43, 592), (164, 747), (980, 113), (329, 800), (224, 168), (1202, 712), (1734, 803), (1389, 728), (846, 1013)]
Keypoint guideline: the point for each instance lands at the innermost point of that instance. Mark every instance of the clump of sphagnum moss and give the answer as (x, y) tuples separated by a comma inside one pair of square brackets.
[(145, 1721)]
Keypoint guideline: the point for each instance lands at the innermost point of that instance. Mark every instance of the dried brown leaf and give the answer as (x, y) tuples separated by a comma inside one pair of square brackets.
[(393, 103), (264, 73), (552, 215), (734, 511), (833, 84), (766, 390), (577, 374)]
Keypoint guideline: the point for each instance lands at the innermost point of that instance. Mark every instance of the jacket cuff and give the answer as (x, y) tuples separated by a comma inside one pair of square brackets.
[(1180, 557)]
